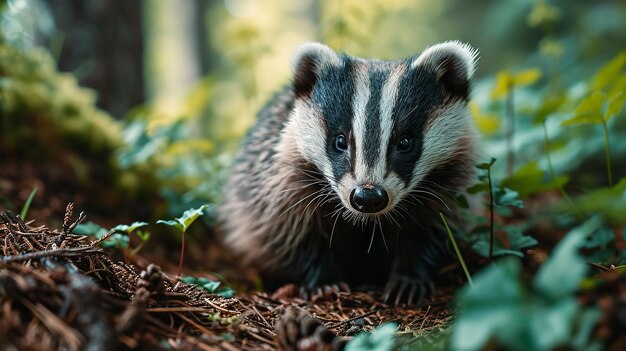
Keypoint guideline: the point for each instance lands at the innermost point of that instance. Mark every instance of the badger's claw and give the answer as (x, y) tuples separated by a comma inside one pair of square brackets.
[(324, 292), (405, 290)]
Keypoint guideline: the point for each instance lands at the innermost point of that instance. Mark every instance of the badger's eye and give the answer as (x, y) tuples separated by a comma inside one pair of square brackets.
[(404, 144), (341, 143)]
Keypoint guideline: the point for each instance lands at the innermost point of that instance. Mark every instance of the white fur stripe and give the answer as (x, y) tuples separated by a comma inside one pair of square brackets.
[(359, 107), (388, 100)]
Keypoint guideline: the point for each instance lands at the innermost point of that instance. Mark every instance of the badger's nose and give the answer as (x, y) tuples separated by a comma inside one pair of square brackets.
[(368, 198)]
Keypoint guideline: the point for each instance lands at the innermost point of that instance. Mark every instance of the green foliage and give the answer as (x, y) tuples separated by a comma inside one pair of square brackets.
[(117, 240), (33, 93), (539, 316), (530, 179), (212, 286), (120, 239), (506, 82), (483, 241), (188, 217), (608, 201), (381, 339), (516, 242)]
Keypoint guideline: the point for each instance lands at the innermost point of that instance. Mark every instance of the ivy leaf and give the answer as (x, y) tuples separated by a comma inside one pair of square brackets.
[(552, 325), (488, 307), (517, 242), (212, 286), (381, 339), (589, 111), (562, 273), (504, 197), (183, 222)]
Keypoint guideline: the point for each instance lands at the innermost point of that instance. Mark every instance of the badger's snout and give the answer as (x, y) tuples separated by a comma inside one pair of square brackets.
[(369, 198)]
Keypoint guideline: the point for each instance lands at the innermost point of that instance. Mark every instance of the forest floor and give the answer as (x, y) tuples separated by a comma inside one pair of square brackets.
[(63, 291)]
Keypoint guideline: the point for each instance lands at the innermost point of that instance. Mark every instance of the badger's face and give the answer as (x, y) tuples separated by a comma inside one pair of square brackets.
[(376, 129)]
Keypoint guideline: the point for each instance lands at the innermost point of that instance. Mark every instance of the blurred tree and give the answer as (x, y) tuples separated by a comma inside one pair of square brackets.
[(102, 43)]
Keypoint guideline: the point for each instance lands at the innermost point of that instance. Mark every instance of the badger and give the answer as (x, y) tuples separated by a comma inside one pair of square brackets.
[(345, 173)]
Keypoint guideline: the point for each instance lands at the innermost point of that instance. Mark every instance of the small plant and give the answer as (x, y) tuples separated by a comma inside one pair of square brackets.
[(487, 168), (120, 239), (212, 286), (542, 315), (381, 339), (182, 223), (26, 206), (598, 108)]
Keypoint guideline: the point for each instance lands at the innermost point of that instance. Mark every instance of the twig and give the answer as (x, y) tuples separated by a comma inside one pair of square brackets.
[(357, 317), (71, 252)]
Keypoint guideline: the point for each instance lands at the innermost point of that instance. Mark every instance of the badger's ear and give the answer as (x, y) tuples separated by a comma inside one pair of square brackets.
[(453, 64), (309, 60)]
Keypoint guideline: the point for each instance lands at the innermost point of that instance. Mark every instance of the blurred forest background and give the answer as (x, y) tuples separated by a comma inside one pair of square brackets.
[(135, 108)]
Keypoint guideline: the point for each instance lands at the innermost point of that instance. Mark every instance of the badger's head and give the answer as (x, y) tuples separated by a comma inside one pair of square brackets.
[(377, 129)]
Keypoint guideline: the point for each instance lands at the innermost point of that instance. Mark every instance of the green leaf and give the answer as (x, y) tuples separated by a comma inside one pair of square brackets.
[(609, 201), (605, 77), (381, 339), (526, 77), (615, 105), (90, 229), (26, 206), (502, 85), (530, 179), (549, 106), (517, 241), (601, 237), (212, 286), (551, 325), (589, 111), (129, 228), (505, 197), (117, 240), (486, 165), (183, 222), (489, 307), (562, 273), (586, 324), (478, 188), (143, 235)]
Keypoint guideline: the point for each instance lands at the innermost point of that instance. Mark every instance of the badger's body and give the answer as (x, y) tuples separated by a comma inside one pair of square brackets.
[(344, 175)]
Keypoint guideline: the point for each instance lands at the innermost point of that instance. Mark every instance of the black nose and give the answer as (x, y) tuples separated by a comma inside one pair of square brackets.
[(369, 198)]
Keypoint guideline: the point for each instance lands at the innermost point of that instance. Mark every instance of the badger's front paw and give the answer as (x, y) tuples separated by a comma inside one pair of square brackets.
[(330, 292), (412, 291)]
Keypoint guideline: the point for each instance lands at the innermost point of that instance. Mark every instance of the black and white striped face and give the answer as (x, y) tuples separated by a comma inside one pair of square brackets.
[(375, 129)]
